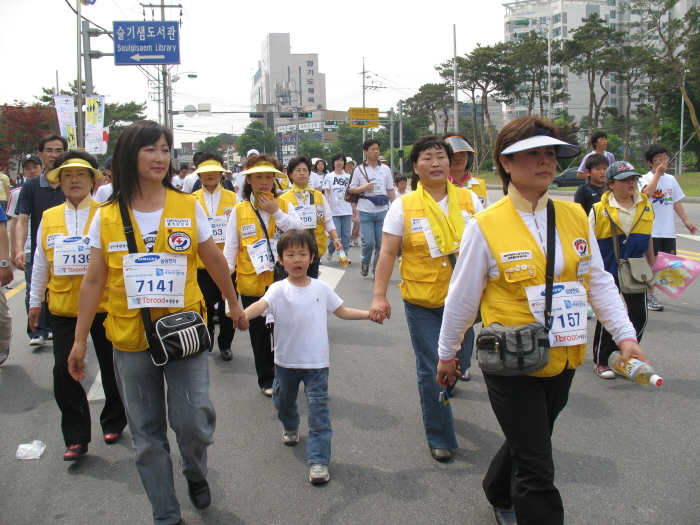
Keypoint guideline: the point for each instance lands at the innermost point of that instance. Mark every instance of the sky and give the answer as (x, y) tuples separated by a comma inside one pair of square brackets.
[(220, 41)]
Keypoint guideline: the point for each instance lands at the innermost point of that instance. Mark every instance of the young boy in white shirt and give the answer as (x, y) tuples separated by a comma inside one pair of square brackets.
[(300, 306), (665, 195)]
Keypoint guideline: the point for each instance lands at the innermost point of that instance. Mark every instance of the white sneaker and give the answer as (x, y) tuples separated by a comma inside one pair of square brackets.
[(318, 473), (37, 340), (329, 255)]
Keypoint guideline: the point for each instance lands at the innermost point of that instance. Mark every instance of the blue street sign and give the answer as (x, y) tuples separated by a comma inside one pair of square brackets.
[(146, 43)]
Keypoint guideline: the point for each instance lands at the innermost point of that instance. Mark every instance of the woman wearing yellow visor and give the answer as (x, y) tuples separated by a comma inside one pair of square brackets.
[(60, 261), (218, 204), (459, 171), (251, 242)]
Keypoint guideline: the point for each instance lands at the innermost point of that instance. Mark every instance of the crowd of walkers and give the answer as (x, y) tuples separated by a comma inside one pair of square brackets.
[(243, 248)]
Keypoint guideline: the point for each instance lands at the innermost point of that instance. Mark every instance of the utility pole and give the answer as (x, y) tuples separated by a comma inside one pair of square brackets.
[(364, 130), (400, 136), (391, 140), (454, 66), (79, 132)]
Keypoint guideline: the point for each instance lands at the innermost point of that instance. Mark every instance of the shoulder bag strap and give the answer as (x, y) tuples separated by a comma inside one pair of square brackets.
[(264, 229), (616, 242), (131, 243), (551, 248)]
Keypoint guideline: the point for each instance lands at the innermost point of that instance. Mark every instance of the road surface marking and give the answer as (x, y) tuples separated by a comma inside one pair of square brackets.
[(691, 237), (330, 276)]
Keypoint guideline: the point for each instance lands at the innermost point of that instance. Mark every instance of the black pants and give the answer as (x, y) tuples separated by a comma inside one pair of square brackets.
[(664, 244), (69, 393), (212, 295), (603, 344), (261, 341), (313, 269), (522, 472)]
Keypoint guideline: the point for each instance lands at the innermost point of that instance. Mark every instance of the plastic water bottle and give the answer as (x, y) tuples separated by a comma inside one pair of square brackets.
[(343, 258), (635, 370)]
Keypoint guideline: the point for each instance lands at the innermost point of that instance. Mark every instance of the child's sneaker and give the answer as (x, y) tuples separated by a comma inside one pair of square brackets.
[(653, 303), (290, 437), (604, 372), (318, 473)]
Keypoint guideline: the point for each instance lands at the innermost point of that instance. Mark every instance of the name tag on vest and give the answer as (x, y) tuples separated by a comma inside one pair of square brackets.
[(524, 255), (248, 230), (118, 247), (178, 223)]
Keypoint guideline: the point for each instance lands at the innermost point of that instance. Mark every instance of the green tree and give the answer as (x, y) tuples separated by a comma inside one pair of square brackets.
[(671, 40), (349, 142), (311, 147), (119, 116), (591, 52), (215, 143), (257, 136), (428, 103), (466, 83)]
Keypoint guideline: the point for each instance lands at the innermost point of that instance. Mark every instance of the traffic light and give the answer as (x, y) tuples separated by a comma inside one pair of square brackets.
[(331, 122), (256, 115), (286, 115), (305, 114)]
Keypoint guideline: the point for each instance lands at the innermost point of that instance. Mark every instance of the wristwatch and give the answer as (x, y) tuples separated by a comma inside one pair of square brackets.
[(4, 264)]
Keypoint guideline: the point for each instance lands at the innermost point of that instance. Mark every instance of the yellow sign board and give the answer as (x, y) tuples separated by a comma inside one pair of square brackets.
[(364, 117)]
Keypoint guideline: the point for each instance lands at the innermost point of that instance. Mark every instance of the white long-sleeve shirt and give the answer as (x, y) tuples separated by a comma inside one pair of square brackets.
[(76, 221), (476, 264), (284, 221)]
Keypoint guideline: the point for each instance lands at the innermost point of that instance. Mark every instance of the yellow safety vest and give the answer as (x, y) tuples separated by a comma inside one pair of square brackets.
[(480, 190), (319, 231), (125, 326), (226, 204), (425, 279), (504, 299), (247, 281), (632, 246), (64, 290)]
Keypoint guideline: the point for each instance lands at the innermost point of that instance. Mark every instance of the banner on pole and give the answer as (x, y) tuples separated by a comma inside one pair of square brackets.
[(65, 111), (95, 114)]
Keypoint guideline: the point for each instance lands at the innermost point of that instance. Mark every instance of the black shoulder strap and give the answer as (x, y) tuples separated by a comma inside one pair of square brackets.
[(551, 248), (264, 229), (131, 244)]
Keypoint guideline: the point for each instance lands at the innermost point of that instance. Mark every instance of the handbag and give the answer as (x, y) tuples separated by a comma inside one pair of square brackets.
[(634, 275), (378, 200), (172, 337), (279, 273), (521, 350), (352, 198)]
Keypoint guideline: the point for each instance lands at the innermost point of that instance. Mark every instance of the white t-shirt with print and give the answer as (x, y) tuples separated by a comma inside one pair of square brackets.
[(338, 184), (148, 225), (668, 192), (383, 182), (301, 322)]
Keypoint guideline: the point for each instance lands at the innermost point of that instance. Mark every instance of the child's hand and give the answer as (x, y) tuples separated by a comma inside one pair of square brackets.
[(377, 316)]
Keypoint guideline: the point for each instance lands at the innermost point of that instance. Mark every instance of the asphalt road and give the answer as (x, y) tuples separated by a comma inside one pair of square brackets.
[(624, 453)]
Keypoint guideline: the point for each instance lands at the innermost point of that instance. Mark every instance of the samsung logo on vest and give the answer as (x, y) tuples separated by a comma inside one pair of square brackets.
[(147, 259), (555, 290), (68, 240)]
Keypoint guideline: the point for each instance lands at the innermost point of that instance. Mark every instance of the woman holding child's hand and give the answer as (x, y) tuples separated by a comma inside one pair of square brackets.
[(427, 224)]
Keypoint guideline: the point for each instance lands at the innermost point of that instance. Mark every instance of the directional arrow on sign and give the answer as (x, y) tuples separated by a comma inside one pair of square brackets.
[(138, 57)]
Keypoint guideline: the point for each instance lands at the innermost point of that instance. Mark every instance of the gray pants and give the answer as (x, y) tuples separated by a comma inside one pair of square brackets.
[(190, 413)]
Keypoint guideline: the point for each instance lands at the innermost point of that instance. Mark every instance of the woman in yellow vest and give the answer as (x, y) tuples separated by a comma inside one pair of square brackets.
[(459, 171), (249, 254), (427, 223), (218, 203), (629, 210), (173, 226), (61, 258), (312, 207), (503, 262)]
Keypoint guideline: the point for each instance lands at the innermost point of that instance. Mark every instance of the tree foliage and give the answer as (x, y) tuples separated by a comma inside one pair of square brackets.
[(428, 103), (311, 147), (21, 128), (215, 143), (258, 136)]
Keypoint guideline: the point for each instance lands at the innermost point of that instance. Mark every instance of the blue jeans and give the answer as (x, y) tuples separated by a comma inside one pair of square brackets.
[(343, 226), (371, 232), (465, 353), (424, 327), (45, 317), (189, 411), (284, 397)]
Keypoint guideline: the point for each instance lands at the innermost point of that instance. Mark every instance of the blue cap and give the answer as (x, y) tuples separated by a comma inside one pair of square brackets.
[(108, 163)]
